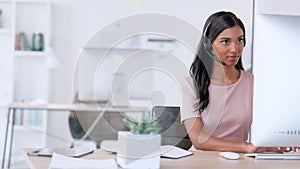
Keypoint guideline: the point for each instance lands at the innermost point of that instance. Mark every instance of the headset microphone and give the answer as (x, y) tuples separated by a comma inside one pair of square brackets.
[(208, 47), (218, 60)]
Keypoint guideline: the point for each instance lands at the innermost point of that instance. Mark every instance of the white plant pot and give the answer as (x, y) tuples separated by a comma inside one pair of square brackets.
[(138, 150)]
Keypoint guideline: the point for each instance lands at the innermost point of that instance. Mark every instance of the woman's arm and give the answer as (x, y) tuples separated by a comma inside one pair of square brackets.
[(203, 141)]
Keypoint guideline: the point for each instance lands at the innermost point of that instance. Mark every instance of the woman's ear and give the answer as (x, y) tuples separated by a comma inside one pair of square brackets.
[(213, 52)]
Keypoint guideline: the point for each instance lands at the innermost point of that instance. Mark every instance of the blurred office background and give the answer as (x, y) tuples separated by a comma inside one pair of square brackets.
[(69, 29)]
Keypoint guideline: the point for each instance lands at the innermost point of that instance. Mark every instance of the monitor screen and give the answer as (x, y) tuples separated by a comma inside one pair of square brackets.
[(276, 68)]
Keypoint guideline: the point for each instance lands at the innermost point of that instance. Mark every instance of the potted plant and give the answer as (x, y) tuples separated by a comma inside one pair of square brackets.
[(1, 18), (140, 147)]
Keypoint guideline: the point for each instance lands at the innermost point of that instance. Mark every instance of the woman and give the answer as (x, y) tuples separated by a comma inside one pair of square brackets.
[(217, 96)]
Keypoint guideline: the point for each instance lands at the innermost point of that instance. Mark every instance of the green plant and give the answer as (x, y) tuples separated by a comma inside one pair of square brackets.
[(144, 126), (1, 24)]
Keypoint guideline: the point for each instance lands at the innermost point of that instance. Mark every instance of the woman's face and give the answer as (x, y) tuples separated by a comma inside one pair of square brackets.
[(228, 45)]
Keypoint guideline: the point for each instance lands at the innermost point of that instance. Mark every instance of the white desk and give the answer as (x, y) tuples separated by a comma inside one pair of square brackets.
[(200, 159), (55, 107)]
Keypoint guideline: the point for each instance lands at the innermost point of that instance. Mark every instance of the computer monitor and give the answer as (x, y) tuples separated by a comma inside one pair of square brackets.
[(276, 69)]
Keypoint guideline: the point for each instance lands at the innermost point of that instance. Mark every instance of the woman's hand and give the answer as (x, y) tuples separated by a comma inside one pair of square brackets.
[(252, 149), (289, 149)]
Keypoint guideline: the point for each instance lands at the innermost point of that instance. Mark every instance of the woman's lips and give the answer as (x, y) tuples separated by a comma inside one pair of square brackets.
[(233, 57)]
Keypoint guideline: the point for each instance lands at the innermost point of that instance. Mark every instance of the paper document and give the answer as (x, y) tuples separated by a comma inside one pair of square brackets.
[(64, 162)]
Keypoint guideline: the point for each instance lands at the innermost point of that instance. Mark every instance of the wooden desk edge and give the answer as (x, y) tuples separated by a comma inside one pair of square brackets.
[(199, 159)]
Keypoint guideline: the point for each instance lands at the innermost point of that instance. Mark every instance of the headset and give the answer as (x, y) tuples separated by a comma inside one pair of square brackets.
[(208, 45)]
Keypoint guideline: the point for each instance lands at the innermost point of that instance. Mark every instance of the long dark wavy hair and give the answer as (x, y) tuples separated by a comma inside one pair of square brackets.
[(202, 65)]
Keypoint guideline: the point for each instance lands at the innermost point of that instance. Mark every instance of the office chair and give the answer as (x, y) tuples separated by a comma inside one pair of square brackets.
[(172, 131), (106, 128)]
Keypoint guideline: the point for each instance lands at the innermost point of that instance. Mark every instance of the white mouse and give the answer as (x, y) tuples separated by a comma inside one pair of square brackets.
[(229, 155)]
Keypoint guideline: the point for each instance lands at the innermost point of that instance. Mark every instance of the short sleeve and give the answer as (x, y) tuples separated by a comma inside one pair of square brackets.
[(189, 102)]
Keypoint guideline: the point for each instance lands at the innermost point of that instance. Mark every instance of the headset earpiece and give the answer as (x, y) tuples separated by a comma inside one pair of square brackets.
[(208, 45), (206, 42)]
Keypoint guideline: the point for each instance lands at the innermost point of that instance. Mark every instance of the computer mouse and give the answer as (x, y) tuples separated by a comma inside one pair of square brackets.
[(229, 155)]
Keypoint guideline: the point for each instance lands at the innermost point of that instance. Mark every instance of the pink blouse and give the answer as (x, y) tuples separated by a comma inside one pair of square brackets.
[(229, 112)]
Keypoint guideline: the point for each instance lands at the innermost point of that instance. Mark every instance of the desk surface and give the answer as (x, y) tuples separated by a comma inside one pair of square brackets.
[(77, 107), (201, 159)]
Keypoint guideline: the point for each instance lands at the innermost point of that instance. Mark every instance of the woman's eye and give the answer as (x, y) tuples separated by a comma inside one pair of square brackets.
[(240, 40), (225, 42)]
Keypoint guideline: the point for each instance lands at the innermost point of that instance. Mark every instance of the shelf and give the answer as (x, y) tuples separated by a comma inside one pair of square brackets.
[(5, 31), (31, 54), (112, 48), (5, 1), (26, 76), (31, 1), (124, 49)]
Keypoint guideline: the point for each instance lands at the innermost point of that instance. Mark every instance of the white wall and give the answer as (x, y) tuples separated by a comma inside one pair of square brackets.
[(74, 22)]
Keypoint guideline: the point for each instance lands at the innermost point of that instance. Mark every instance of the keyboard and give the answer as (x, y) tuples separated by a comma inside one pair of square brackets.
[(275, 156)]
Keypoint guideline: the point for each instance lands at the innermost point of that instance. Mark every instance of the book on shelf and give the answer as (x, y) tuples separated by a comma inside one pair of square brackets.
[(22, 42)]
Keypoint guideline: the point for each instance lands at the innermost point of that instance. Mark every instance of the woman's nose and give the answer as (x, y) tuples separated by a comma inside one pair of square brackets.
[(234, 47)]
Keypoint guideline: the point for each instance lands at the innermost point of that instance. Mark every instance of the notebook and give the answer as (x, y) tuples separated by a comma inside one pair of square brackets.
[(71, 152), (169, 151)]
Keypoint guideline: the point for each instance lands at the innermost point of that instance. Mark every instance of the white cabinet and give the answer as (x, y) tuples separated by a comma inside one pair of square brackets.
[(24, 72)]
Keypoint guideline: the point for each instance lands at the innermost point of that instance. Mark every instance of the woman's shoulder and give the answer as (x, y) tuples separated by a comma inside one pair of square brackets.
[(187, 82), (187, 79), (246, 75)]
